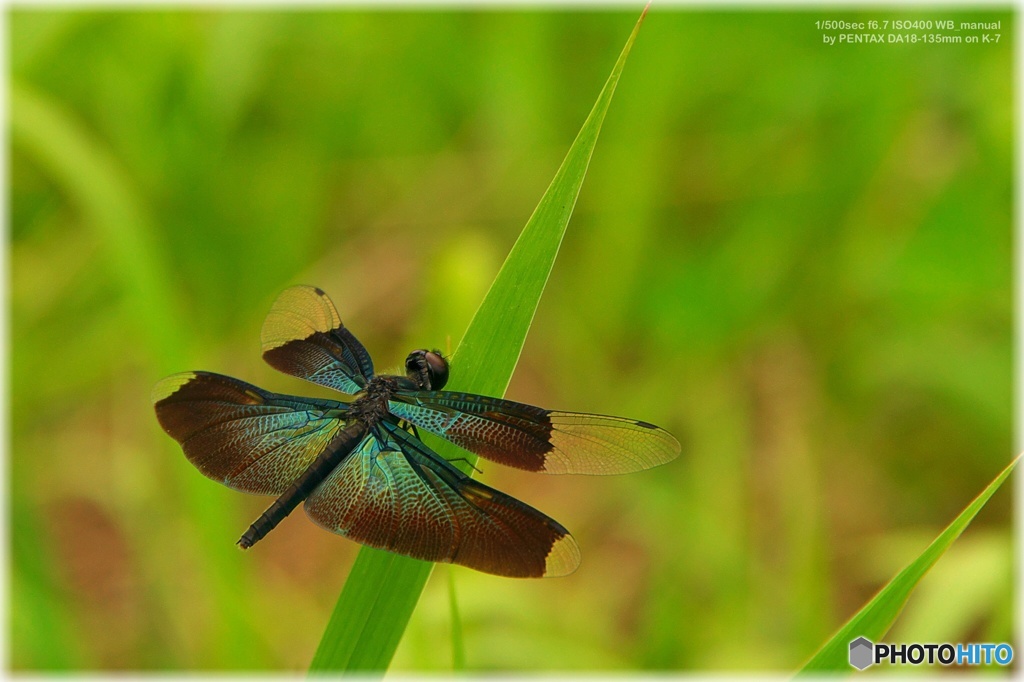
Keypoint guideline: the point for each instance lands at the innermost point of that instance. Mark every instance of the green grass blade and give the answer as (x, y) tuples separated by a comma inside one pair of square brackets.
[(458, 643), (379, 596), (490, 349), (875, 619)]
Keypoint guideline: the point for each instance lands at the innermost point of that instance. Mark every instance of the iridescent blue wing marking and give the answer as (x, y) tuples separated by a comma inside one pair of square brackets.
[(534, 439), (396, 494), (303, 336), (246, 438)]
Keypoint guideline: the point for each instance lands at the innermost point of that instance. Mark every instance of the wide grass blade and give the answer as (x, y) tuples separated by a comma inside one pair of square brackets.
[(875, 619), (382, 589)]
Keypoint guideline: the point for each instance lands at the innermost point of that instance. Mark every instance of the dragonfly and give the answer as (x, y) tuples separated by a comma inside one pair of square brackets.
[(359, 465)]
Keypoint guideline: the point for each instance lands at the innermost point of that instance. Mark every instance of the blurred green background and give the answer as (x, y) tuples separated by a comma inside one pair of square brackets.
[(795, 257)]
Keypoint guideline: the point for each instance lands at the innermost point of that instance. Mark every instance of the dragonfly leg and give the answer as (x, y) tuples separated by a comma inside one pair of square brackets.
[(463, 459), (412, 427)]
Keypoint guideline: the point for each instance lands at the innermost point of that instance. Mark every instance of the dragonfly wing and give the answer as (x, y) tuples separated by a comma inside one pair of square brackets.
[(535, 439), (303, 336), (246, 438), (396, 494)]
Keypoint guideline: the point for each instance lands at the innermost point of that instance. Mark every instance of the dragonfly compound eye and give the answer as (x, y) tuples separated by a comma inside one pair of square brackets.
[(437, 366), (428, 369)]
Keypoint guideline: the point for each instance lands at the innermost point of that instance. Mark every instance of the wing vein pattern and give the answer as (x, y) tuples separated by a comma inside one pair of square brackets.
[(303, 336), (397, 494), (242, 436), (535, 439)]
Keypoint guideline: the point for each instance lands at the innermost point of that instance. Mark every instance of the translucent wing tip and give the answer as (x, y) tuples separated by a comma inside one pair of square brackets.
[(596, 444), (672, 447), (168, 386), (662, 447), (563, 559), (298, 313)]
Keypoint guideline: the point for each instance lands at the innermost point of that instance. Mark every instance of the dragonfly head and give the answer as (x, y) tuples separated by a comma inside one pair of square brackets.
[(427, 369)]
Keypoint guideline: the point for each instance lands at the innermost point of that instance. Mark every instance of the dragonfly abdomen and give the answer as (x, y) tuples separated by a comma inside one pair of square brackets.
[(336, 451)]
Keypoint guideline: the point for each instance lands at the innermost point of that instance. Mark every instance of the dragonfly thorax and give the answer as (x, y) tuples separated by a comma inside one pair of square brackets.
[(372, 406)]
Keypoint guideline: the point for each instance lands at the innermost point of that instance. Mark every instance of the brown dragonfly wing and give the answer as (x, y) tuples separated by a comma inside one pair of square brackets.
[(240, 435), (303, 336), (535, 439), (396, 494)]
